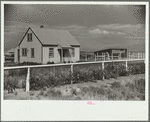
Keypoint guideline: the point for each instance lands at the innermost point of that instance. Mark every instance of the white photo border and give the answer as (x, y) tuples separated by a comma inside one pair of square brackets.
[(46, 110)]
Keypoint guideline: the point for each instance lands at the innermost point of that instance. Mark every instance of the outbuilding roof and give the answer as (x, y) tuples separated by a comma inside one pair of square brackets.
[(55, 37), (111, 47), (11, 50)]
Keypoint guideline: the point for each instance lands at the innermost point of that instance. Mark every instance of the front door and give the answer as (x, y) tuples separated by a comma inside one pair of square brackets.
[(18, 55)]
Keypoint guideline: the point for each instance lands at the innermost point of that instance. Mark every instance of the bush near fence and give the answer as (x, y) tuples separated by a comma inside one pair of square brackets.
[(21, 64), (11, 83), (61, 75), (6, 64)]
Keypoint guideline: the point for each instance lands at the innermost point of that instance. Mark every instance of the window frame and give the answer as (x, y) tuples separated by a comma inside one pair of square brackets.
[(32, 56), (24, 51), (29, 37), (51, 52)]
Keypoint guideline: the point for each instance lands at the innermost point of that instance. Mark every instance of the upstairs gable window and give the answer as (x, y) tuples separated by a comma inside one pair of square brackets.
[(29, 36)]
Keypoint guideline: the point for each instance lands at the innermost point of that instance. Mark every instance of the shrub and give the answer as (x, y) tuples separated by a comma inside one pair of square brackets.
[(15, 93), (115, 85), (24, 84), (10, 83), (136, 68), (54, 93), (140, 85), (31, 93), (130, 96), (45, 78), (110, 71), (83, 75), (41, 92), (78, 98), (37, 83), (42, 80), (122, 70), (112, 96), (50, 62), (29, 63), (98, 74), (131, 86), (74, 92), (136, 90)]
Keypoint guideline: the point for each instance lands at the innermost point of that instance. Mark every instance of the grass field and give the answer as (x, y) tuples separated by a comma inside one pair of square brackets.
[(122, 88)]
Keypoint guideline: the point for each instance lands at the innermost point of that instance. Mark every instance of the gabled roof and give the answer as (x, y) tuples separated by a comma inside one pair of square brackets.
[(111, 47), (55, 37)]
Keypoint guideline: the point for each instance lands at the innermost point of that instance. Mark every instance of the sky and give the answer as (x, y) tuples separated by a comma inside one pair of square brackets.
[(93, 26)]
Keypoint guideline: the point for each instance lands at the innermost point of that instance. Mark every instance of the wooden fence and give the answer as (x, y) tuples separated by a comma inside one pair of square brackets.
[(69, 66), (130, 56)]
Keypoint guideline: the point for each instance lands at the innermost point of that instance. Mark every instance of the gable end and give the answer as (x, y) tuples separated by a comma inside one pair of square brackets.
[(26, 34)]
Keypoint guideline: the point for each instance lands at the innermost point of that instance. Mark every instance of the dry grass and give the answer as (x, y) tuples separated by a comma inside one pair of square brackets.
[(121, 89)]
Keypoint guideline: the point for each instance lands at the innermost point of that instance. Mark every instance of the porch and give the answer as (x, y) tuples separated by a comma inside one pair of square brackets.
[(66, 54)]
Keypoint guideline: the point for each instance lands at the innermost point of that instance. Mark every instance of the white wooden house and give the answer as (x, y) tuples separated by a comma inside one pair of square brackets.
[(45, 45)]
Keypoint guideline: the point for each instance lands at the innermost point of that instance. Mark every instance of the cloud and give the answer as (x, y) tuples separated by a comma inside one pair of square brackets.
[(98, 31), (128, 31), (25, 8), (69, 27), (120, 26), (14, 27), (78, 27), (104, 32)]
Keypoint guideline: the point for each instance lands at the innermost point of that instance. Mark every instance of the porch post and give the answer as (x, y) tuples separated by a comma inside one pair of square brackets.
[(72, 73), (62, 55), (120, 55), (112, 54), (142, 55), (103, 70), (126, 65), (71, 55)]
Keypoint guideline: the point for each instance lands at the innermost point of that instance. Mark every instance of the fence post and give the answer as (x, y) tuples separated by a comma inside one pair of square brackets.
[(72, 73), (126, 65), (103, 70), (27, 80), (138, 55)]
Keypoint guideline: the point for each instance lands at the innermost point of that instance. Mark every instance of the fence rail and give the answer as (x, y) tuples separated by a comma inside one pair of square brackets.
[(69, 66)]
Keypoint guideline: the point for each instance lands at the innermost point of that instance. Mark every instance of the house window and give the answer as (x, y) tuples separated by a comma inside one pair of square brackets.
[(32, 52), (29, 37), (51, 52), (24, 51), (73, 52)]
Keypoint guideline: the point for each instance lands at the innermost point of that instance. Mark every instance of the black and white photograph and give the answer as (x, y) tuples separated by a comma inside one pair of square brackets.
[(76, 52)]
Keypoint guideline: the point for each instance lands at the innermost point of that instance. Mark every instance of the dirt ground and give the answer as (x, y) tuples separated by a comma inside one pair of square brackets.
[(20, 94)]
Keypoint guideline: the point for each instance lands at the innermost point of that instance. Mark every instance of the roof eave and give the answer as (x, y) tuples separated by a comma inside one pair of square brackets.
[(75, 45)]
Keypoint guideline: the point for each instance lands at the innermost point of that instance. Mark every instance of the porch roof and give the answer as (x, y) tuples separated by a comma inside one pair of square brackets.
[(63, 47)]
